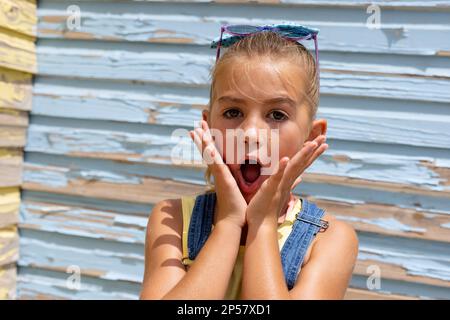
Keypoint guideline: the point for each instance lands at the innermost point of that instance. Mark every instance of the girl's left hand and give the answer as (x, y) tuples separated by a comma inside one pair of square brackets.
[(266, 205)]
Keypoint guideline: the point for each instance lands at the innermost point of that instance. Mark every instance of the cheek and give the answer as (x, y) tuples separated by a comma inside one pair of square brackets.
[(291, 141)]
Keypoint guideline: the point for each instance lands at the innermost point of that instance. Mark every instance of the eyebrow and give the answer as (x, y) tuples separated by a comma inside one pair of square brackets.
[(280, 99)]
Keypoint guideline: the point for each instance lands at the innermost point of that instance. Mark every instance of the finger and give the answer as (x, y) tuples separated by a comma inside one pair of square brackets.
[(196, 138), (321, 149), (281, 167), (299, 161), (277, 177), (210, 144), (316, 153), (210, 154), (208, 140), (206, 148), (319, 139)]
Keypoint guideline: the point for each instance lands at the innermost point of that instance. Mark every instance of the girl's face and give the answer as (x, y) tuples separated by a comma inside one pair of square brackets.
[(255, 99)]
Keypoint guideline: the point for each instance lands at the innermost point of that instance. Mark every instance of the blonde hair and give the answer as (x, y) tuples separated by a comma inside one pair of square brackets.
[(269, 44)]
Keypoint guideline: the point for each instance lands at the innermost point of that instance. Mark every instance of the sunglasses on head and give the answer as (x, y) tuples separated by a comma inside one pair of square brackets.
[(293, 32)]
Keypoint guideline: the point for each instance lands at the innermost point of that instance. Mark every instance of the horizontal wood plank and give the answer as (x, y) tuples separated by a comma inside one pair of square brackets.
[(11, 117), (199, 25), (19, 16), (12, 137), (10, 167), (9, 207), (16, 89), (17, 52), (398, 271), (9, 245), (8, 281), (405, 4), (193, 69), (359, 294)]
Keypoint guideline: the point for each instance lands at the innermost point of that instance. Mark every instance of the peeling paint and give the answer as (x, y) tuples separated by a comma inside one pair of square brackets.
[(416, 266), (385, 223), (446, 225)]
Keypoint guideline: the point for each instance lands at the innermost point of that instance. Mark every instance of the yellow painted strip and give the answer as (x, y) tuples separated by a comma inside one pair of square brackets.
[(9, 200), (12, 117), (11, 162), (9, 255), (4, 293), (19, 16), (16, 89), (9, 153), (17, 52), (7, 208), (12, 136), (9, 248), (8, 233)]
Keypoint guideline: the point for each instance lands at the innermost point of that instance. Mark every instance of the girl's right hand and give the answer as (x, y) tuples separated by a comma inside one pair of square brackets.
[(231, 205)]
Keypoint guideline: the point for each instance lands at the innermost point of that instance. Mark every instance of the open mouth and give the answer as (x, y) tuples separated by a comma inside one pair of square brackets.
[(250, 171), (249, 177)]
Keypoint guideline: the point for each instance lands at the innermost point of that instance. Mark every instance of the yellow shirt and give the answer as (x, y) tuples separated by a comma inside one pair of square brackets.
[(234, 287)]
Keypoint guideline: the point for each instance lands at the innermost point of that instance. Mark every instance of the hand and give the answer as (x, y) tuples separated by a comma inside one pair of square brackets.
[(267, 204), (231, 205)]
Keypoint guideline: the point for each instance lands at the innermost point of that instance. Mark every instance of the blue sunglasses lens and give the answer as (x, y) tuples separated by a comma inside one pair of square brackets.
[(291, 31), (242, 29)]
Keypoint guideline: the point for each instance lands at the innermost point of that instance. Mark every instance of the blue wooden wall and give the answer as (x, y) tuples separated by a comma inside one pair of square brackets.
[(109, 94)]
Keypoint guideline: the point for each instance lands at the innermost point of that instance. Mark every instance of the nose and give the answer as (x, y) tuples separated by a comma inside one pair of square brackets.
[(253, 127), (251, 137)]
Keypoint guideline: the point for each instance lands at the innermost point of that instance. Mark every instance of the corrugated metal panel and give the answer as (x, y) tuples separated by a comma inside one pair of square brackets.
[(108, 96), (17, 63)]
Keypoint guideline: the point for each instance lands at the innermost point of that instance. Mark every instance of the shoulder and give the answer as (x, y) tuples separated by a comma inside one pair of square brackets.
[(336, 246), (165, 216), (339, 236)]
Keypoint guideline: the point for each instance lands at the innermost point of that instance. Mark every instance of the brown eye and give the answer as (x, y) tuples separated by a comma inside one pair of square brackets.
[(278, 115), (232, 113)]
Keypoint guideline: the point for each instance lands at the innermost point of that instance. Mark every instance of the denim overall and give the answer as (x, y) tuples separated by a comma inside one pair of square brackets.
[(306, 225)]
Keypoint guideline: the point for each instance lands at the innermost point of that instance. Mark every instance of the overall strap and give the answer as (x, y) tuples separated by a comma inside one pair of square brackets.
[(201, 222), (306, 225)]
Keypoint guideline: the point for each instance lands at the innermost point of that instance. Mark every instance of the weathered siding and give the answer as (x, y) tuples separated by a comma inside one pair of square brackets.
[(108, 96), (17, 64)]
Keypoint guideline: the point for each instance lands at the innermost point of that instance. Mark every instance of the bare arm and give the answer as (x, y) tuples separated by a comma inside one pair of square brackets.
[(165, 276), (325, 276)]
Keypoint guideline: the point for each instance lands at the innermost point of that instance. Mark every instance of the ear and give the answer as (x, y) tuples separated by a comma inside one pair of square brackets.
[(318, 127)]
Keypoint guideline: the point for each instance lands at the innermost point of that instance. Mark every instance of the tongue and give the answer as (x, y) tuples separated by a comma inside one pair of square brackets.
[(251, 172)]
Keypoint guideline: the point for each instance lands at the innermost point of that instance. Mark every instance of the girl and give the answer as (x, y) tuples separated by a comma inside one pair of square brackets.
[(250, 237)]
